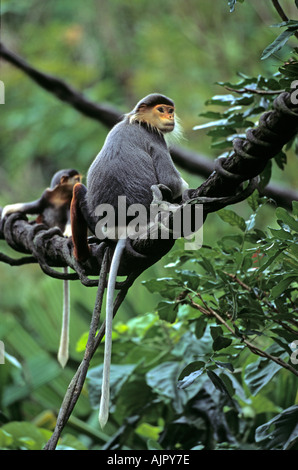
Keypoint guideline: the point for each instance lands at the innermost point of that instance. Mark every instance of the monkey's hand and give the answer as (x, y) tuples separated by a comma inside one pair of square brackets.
[(161, 193), (11, 208)]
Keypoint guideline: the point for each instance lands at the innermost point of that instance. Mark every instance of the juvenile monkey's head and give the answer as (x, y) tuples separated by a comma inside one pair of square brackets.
[(63, 177), (155, 110)]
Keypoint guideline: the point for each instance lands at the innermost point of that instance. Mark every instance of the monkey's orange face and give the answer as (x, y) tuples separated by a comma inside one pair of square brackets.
[(163, 117), (70, 180), (160, 117)]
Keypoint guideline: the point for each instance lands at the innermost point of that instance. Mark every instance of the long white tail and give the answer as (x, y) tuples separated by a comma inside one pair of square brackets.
[(64, 338), (105, 389)]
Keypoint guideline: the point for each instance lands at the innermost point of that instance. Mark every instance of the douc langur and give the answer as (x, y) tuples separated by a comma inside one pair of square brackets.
[(134, 158), (53, 209)]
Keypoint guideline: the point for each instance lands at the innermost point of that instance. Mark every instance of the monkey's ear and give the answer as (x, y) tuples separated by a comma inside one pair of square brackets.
[(79, 228), (63, 179), (142, 108)]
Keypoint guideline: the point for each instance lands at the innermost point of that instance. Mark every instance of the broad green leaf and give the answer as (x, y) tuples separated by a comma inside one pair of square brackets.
[(253, 200), (189, 379), (70, 442), (232, 218), (259, 373), (281, 159), (269, 261), (153, 445), (283, 285), (219, 122), (221, 342), (119, 374), (277, 44), (6, 439), (215, 331), (225, 365), (190, 278), (148, 431), (163, 380), (190, 368), (167, 311), (281, 432), (218, 383), (26, 435), (166, 287), (282, 214)]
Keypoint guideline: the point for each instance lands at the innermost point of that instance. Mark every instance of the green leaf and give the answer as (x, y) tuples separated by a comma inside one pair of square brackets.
[(259, 373), (189, 379), (254, 200), (282, 214), (158, 285), (215, 331), (166, 286), (269, 261), (281, 159), (218, 383), (221, 342), (189, 278), (26, 435), (281, 432), (232, 218), (153, 445), (225, 365), (277, 44), (190, 368), (6, 439), (200, 326), (207, 265), (219, 122), (167, 311), (283, 285), (232, 4), (119, 374), (163, 379)]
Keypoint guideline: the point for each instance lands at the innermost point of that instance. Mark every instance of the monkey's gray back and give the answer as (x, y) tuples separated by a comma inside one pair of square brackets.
[(132, 159)]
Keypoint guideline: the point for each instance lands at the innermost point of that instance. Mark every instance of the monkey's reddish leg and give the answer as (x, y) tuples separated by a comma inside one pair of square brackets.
[(79, 227)]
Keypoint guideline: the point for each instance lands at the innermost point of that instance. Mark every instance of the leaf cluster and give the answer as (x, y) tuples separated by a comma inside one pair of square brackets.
[(208, 359)]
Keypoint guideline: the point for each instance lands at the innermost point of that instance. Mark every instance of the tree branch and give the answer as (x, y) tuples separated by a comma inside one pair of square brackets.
[(254, 349), (281, 13), (250, 157), (109, 116)]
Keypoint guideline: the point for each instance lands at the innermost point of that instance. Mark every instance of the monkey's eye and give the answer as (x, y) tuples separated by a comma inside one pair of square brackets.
[(160, 109), (171, 110)]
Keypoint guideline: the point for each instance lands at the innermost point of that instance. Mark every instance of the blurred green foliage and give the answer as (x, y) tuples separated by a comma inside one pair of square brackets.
[(118, 51)]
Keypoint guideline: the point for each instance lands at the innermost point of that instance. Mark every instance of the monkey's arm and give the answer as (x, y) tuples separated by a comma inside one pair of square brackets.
[(79, 226), (167, 173), (34, 207)]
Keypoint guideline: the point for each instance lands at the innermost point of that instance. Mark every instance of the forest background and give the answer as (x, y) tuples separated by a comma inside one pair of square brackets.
[(117, 52)]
